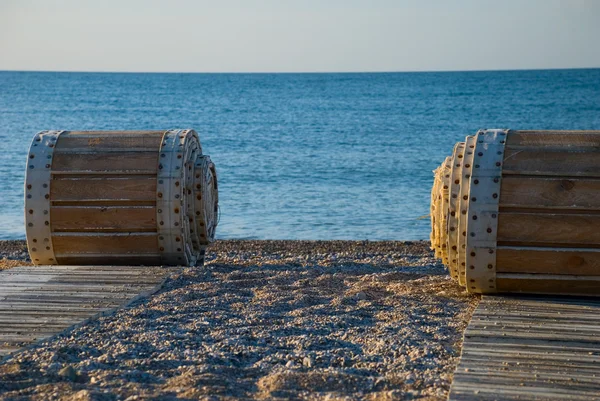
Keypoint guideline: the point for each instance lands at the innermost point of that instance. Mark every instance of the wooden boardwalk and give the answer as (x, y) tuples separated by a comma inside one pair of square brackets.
[(531, 348), (37, 302)]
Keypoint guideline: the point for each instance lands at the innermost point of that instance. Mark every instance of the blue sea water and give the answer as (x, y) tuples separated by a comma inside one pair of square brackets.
[(299, 156)]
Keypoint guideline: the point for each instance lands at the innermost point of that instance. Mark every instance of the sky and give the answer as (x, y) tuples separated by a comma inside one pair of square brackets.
[(298, 35)]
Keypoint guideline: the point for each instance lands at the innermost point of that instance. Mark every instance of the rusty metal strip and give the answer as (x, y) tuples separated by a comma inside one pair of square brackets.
[(456, 170), (463, 199), (482, 224), (38, 179)]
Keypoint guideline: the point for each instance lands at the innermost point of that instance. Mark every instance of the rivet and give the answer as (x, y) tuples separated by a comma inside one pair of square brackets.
[(176, 223), (33, 249), (197, 213), (452, 213), (473, 254), (47, 166), (496, 180), (472, 267), (460, 156), (480, 154), (45, 185), (498, 164), (47, 196), (490, 266), (30, 211), (162, 155), (31, 166), (176, 196), (445, 186), (198, 197), (29, 196), (51, 259), (493, 215), (475, 217), (161, 249), (176, 183), (176, 210), (51, 145), (464, 212), (472, 280), (454, 248), (178, 249), (159, 194), (452, 229), (47, 223), (489, 230), (30, 225), (46, 240), (472, 234), (494, 196), (197, 175), (35, 240), (162, 223), (47, 248), (467, 165), (31, 156), (465, 197), (179, 156), (491, 251), (177, 239), (160, 166), (474, 199), (475, 182), (45, 212), (159, 210)]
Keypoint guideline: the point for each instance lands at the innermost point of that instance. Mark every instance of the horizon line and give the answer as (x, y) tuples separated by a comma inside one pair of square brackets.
[(303, 72)]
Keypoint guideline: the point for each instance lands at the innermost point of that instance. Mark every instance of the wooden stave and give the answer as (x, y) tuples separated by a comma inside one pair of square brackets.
[(117, 144), (555, 265)]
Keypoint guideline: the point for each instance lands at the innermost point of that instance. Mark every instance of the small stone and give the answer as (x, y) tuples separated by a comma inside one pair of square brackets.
[(68, 373), (361, 296), (308, 362), (290, 364)]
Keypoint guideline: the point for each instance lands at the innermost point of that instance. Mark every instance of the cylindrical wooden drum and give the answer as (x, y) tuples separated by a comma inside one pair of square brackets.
[(125, 197), (533, 213)]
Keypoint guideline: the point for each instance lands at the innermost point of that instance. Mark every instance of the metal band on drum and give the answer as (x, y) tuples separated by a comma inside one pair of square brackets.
[(38, 181), (463, 206), (482, 223), (456, 170)]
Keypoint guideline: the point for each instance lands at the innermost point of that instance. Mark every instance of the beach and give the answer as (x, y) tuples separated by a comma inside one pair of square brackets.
[(264, 320)]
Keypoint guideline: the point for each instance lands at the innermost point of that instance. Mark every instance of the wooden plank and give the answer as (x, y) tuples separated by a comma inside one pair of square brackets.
[(561, 162), (530, 357), (103, 218), (120, 141), (537, 229), (27, 316), (134, 188), (550, 193), (584, 261), (103, 244), (569, 139), (547, 284), (105, 162)]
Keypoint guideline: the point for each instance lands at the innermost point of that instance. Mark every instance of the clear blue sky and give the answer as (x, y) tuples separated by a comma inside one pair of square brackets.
[(298, 35)]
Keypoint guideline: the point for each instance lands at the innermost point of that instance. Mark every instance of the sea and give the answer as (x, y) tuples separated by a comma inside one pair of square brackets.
[(299, 156)]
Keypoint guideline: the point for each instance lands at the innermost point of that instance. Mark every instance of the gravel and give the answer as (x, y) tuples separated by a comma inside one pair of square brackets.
[(318, 320)]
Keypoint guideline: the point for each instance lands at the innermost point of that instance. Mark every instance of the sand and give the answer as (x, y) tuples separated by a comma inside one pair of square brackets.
[(265, 320)]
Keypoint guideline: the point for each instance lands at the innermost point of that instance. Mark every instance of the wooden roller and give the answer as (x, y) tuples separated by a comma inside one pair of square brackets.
[(438, 219), (533, 213), (126, 197)]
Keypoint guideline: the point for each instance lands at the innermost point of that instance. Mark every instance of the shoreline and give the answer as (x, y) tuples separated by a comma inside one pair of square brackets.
[(375, 320)]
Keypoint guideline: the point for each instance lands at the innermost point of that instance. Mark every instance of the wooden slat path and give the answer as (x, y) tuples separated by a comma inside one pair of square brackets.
[(37, 302), (531, 348)]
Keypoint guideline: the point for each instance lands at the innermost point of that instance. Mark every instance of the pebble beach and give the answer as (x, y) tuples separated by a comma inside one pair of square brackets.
[(307, 320)]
